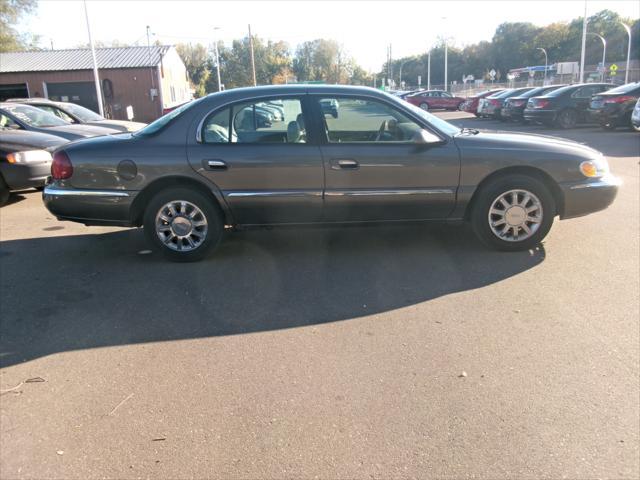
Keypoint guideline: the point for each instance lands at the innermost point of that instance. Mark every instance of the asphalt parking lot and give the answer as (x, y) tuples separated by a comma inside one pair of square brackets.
[(392, 352)]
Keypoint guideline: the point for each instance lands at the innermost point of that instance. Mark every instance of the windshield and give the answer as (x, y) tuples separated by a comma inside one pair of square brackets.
[(501, 94), (438, 123), (34, 117), (160, 123), (629, 87), (83, 114)]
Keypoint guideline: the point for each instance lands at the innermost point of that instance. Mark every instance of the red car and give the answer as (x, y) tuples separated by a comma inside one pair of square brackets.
[(471, 104), (434, 99)]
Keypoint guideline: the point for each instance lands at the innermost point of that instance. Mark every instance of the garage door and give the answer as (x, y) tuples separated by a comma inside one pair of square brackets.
[(15, 90), (82, 93)]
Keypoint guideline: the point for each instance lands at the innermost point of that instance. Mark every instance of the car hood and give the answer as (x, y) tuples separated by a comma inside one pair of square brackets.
[(82, 130), (521, 142), (120, 125)]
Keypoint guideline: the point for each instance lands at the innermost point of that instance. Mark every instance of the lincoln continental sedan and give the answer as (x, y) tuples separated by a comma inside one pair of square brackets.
[(215, 162)]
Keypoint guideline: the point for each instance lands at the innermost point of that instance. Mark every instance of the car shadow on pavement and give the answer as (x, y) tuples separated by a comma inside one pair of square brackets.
[(68, 293)]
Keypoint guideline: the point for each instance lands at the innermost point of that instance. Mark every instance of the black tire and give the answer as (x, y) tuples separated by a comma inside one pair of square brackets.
[(214, 224), (424, 106), (490, 192), (567, 118), (4, 192)]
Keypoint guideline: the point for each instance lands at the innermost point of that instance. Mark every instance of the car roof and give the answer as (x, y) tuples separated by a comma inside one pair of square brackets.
[(275, 90)]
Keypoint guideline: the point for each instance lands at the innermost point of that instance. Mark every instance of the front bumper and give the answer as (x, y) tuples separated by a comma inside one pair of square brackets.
[(24, 175), (88, 206), (539, 116), (582, 198)]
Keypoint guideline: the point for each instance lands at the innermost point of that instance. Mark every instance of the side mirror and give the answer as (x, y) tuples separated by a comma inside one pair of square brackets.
[(423, 137)]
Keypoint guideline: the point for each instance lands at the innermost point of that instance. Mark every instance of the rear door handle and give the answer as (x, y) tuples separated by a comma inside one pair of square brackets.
[(345, 164), (214, 164)]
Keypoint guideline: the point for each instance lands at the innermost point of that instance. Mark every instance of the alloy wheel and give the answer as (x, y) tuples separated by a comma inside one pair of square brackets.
[(181, 225), (515, 215)]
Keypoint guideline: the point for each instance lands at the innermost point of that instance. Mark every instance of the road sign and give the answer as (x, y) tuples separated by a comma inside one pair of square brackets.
[(613, 69), (492, 74), (419, 80), (532, 73)]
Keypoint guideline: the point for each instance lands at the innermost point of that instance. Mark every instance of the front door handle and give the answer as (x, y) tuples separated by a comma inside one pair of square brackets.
[(345, 164), (214, 164)]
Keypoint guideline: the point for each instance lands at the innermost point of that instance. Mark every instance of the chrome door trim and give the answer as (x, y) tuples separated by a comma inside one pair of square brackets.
[(281, 193), (61, 192), (362, 193)]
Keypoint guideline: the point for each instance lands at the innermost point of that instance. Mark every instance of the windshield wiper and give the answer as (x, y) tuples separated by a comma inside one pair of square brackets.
[(472, 131)]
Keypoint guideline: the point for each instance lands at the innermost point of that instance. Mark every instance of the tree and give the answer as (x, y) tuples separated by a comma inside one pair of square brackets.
[(196, 60), (11, 11)]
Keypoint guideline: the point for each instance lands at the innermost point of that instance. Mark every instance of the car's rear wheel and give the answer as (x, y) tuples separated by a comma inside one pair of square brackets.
[(567, 119), (512, 213), (4, 192), (424, 106), (183, 224)]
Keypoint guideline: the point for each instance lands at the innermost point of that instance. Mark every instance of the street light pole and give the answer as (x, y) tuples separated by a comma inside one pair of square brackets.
[(215, 47), (604, 52), (95, 63), (626, 72), (546, 62), (446, 84), (584, 42)]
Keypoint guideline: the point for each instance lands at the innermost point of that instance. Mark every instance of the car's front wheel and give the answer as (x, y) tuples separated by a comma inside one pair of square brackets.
[(424, 106), (183, 224), (512, 213)]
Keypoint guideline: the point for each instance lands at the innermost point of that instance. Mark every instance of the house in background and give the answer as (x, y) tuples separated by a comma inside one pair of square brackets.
[(149, 79)]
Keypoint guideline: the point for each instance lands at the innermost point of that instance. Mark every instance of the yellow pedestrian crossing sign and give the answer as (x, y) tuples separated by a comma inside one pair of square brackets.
[(613, 69)]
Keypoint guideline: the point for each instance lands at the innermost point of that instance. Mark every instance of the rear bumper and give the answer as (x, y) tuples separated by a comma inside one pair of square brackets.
[(19, 176), (541, 116), (513, 112), (582, 198), (609, 114), (91, 207)]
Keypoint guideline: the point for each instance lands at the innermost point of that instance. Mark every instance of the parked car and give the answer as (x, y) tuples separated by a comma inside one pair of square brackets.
[(383, 160), (470, 105), (491, 106), (32, 119), (565, 107), (330, 106), (73, 113), (513, 108), (635, 117), (434, 100), (613, 108), (25, 159)]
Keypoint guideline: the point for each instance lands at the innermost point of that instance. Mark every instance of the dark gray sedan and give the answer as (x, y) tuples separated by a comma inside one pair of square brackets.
[(25, 117), (212, 163)]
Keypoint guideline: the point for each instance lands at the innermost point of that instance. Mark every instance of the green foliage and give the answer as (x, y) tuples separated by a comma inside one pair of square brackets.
[(515, 45), (11, 12)]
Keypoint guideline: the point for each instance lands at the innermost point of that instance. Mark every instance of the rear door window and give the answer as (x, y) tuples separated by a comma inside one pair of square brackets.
[(268, 121)]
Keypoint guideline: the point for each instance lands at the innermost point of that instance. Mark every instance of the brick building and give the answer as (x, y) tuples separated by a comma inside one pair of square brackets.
[(149, 79)]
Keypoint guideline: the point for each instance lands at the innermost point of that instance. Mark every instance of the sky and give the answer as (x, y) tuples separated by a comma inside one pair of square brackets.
[(364, 28)]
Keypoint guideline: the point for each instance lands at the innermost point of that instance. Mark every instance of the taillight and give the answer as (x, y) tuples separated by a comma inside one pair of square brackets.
[(494, 102), (61, 167), (622, 99), (517, 103), (540, 103)]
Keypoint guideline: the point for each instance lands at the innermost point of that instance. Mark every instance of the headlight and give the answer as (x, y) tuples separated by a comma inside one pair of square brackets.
[(594, 168), (30, 156)]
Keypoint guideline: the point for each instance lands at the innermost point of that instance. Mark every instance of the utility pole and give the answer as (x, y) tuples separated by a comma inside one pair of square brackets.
[(584, 42), (95, 63), (51, 40), (390, 68), (446, 84), (429, 71), (215, 48), (150, 67), (626, 71), (253, 62)]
